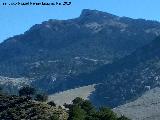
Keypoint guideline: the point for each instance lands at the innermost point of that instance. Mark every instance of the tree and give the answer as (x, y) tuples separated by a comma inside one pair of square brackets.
[(41, 97), (87, 106), (106, 114), (67, 105), (54, 117), (76, 113), (77, 101), (84, 110), (27, 91), (0, 90), (52, 103), (123, 118)]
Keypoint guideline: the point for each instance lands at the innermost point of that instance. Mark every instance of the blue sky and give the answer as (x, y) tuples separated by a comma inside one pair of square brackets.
[(16, 20)]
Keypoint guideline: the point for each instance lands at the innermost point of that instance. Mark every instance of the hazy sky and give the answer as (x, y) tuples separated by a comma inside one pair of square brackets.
[(16, 20)]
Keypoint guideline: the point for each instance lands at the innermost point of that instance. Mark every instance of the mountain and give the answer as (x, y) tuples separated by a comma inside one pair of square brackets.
[(54, 52), (127, 78)]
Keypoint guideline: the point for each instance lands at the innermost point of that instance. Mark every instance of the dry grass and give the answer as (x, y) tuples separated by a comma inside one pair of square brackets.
[(69, 95)]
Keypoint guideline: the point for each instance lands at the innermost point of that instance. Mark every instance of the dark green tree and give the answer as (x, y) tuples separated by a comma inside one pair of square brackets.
[(78, 101), (0, 90), (52, 103), (106, 114), (87, 106), (41, 97), (27, 91), (54, 117), (77, 113), (84, 110), (123, 118), (68, 106)]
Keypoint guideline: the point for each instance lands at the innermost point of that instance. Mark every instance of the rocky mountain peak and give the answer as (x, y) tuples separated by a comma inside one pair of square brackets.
[(95, 15), (87, 12)]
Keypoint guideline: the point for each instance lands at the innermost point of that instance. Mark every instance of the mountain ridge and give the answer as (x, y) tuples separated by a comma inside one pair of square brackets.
[(56, 51)]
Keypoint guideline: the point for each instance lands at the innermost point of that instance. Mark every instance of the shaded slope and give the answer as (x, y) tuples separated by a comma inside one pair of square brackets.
[(130, 77), (123, 80)]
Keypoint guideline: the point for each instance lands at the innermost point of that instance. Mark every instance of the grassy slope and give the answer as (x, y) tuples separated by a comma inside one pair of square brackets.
[(67, 96), (145, 107)]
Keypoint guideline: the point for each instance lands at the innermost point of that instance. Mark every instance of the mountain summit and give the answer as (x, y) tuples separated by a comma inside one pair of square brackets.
[(86, 13)]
